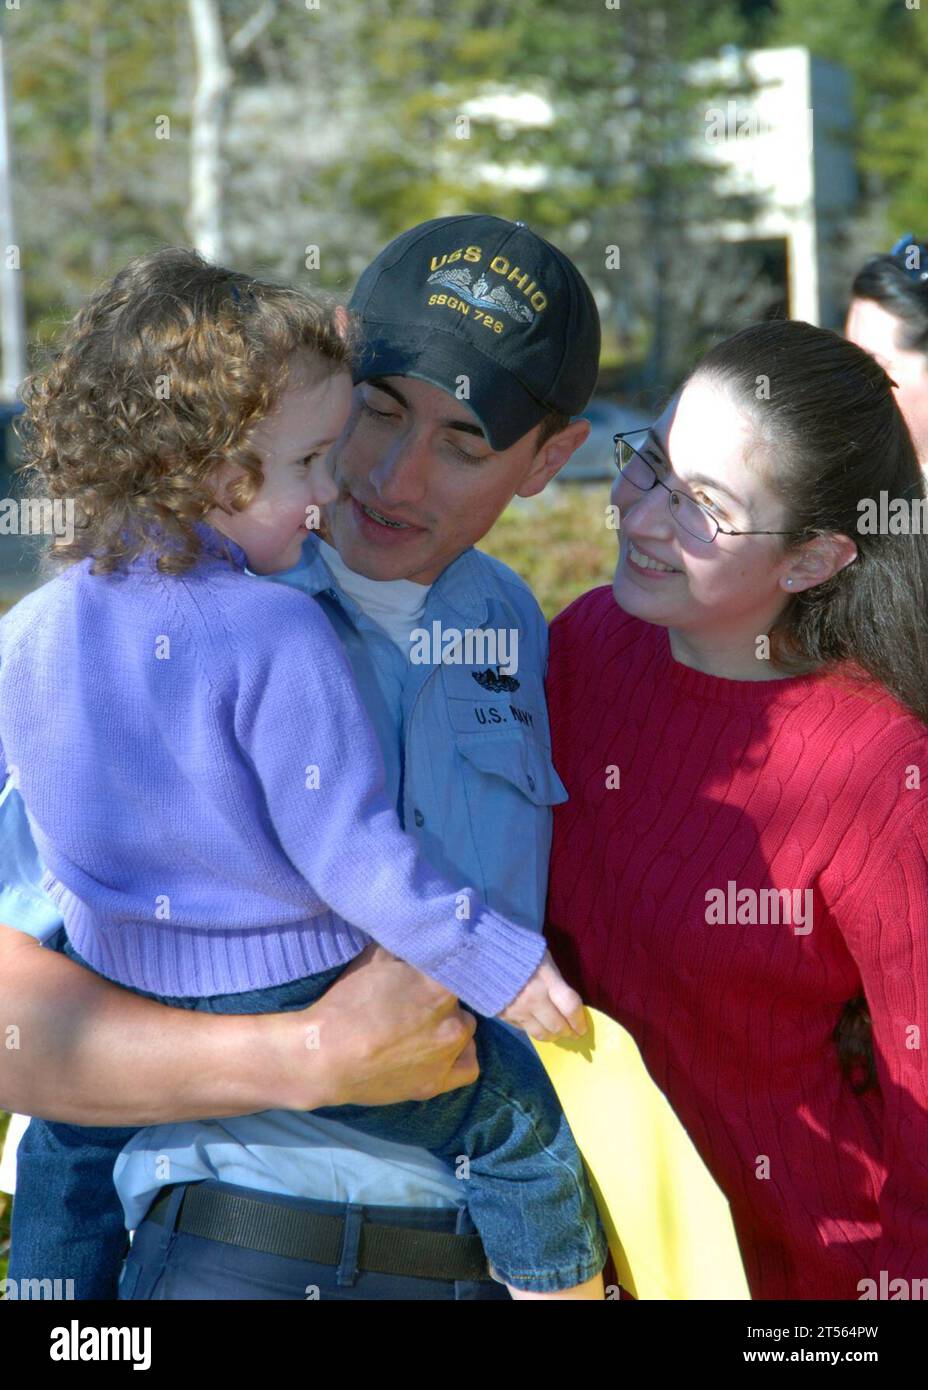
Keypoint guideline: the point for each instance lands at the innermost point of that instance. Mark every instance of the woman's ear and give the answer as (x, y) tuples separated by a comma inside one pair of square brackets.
[(818, 561)]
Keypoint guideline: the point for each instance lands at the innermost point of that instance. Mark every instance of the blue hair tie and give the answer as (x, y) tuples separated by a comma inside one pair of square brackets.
[(905, 243)]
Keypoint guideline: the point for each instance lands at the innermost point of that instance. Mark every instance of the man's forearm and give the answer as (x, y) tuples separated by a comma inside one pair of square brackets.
[(101, 1055)]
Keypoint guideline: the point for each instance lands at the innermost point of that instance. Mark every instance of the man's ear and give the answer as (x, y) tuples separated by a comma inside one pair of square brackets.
[(552, 456), (817, 561)]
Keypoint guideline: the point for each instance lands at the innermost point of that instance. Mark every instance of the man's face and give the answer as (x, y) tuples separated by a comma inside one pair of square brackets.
[(415, 456)]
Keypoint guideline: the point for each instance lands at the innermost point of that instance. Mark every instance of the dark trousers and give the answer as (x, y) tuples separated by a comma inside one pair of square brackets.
[(164, 1264)]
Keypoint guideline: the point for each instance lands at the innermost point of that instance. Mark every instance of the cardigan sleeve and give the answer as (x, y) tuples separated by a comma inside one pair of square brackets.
[(304, 728), (887, 933)]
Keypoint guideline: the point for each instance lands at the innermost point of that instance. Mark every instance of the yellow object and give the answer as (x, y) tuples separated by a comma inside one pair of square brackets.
[(668, 1222)]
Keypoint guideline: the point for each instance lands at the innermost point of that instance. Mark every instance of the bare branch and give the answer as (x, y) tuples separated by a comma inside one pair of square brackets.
[(243, 38)]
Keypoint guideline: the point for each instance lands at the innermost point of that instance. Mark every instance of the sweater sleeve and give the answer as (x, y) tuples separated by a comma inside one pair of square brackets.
[(301, 722), (887, 933)]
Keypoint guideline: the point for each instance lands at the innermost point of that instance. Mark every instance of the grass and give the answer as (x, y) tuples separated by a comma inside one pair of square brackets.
[(558, 542)]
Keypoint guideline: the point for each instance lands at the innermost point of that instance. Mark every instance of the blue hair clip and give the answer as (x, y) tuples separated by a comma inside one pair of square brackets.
[(245, 295), (919, 271)]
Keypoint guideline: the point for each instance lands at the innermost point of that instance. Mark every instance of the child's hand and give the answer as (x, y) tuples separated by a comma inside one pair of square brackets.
[(546, 1007)]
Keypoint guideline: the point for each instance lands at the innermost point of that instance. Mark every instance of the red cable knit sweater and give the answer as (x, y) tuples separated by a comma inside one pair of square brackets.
[(798, 784)]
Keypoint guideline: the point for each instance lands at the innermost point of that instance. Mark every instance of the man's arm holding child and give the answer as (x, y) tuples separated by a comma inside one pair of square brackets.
[(89, 1052)]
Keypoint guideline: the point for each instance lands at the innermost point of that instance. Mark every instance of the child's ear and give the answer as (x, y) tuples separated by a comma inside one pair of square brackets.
[(342, 321)]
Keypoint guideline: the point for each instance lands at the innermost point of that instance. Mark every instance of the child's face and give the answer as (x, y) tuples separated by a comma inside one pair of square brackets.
[(293, 443)]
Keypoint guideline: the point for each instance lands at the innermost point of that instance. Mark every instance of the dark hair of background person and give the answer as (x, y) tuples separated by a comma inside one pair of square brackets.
[(884, 280)]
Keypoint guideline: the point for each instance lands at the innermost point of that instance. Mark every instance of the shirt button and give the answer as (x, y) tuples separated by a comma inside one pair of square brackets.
[(419, 818), (531, 782)]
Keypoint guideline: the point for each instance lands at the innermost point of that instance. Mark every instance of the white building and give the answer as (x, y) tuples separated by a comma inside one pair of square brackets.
[(787, 144)]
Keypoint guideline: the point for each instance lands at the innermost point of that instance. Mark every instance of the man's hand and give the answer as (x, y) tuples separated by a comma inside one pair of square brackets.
[(547, 1008), (386, 1033)]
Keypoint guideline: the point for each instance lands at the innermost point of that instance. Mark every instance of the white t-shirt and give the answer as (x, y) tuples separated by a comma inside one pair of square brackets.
[(396, 605)]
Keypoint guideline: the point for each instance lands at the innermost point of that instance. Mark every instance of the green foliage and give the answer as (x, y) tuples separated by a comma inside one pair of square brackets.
[(385, 85), (558, 542), (884, 46), (87, 81)]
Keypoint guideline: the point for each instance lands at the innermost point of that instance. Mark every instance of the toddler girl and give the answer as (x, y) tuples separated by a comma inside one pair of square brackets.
[(202, 782)]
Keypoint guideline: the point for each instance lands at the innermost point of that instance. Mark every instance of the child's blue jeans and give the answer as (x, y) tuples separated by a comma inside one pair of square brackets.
[(525, 1189)]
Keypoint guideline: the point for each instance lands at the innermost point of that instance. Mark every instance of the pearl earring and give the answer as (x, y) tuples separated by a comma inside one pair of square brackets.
[(789, 582)]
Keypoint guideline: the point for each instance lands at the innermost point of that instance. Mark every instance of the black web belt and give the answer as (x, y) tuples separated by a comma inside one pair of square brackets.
[(317, 1236)]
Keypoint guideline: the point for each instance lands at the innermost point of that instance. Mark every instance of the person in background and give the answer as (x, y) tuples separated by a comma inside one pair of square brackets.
[(888, 317)]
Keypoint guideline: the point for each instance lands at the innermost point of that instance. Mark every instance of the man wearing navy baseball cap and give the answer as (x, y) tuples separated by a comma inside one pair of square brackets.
[(480, 341), (488, 307)]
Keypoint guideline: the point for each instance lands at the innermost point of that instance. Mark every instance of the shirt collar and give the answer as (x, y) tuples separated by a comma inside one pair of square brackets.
[(461, 586)]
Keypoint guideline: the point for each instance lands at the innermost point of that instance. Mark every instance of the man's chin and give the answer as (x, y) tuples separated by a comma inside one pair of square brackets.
[(365, 556), (367, 560)]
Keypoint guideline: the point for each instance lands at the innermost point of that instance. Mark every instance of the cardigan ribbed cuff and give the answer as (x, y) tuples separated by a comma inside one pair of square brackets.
[(494, 961)]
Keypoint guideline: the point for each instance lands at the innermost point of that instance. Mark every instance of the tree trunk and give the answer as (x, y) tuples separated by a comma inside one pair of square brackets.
[(99, 120), (210, 97), (12, 328)]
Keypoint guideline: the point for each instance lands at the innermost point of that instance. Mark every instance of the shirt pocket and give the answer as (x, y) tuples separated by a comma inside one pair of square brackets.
[(517, 759), (511, 785)]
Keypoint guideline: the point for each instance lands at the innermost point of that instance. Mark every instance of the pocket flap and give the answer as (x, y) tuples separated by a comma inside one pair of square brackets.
[(521, 761)]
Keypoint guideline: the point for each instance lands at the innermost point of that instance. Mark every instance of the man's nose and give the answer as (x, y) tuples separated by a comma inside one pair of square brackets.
[(400, 476)]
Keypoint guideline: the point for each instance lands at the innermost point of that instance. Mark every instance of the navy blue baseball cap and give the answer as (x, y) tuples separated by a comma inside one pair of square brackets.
[(487, 310)]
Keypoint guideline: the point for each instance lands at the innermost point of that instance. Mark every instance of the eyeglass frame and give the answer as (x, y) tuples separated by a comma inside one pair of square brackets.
[(676, 492)]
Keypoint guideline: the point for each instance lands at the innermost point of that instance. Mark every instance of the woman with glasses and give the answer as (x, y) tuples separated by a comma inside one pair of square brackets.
[(888, 317), (740, 875)]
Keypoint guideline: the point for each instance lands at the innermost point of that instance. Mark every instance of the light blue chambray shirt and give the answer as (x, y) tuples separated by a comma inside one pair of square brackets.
[(469, 765)]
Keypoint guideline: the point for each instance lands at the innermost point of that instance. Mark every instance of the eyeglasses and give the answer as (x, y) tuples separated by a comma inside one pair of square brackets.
[(695, 519), (900, 254)]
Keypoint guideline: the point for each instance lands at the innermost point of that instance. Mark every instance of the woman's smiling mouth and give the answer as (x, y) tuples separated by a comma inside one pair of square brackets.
[(647, 564)]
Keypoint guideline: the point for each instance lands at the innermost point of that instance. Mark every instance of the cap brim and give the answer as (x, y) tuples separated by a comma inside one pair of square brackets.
[(502, 405)]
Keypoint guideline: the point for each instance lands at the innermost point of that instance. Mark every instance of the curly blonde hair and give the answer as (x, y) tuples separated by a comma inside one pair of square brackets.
[(157, 381)]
